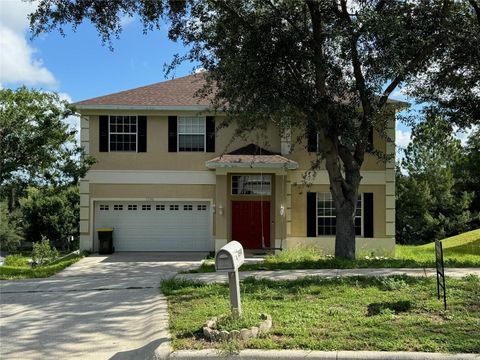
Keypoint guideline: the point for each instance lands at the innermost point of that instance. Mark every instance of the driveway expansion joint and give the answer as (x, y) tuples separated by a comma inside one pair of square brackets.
[(79, 290)]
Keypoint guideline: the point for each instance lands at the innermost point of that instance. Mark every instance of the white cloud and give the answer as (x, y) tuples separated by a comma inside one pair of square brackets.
[(18, 62), (463, 135), (126, 20), (402, 138)]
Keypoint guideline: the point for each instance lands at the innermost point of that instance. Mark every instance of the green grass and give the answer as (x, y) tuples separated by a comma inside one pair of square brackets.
[(358, 313), (19, 268), (459, 251)]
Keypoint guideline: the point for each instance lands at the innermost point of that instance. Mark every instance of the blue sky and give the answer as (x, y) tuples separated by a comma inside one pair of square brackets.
[(79, 67), (78, 64)]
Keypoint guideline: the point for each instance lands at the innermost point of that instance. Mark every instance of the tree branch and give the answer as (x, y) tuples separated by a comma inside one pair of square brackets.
[(360, 84), (476, 8), (318, 40), (421, 56)]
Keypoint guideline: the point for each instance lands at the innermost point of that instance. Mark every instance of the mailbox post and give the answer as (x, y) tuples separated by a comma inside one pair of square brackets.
[(228, 259)]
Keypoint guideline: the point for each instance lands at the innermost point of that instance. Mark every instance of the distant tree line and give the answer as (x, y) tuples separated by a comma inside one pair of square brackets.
[(437, 183)]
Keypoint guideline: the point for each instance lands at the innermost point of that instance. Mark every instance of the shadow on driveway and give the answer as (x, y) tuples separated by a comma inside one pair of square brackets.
[(100, 308)]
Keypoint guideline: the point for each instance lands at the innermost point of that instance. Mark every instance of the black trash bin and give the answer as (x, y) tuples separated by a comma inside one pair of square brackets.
[(105, 241)]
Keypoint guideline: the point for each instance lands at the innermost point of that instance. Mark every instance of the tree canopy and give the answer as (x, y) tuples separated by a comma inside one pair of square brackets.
[(327, 66), (37, 146)]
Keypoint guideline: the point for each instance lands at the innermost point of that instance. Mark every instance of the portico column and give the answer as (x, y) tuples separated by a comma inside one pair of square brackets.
[(221, 211)]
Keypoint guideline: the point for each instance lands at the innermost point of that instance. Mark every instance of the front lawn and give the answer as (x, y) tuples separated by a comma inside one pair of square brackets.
[(358, 313), (459, 251), (19, 269)]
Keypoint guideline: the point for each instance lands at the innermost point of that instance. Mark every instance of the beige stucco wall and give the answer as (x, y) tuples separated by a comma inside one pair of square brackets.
[(157, 156), (299, 207), (149, 191)]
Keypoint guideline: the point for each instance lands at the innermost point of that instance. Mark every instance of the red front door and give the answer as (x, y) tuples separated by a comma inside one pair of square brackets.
[(247, 220)]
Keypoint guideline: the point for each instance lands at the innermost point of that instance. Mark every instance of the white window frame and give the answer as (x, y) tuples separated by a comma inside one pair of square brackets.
[(265, 176), (362, 203), (123, 133), (204, 118)]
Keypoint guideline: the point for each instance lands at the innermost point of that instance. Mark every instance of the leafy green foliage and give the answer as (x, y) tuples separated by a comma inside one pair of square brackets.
[(467, 173), (43, 253), (21, 272), (357, 313), (429, 204), (16, 261), (53, 213), (37, 145), (9, 233)]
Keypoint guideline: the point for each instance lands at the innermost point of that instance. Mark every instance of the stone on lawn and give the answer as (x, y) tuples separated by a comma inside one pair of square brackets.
[(207, 332), (245, 334), (215, 335), (234, 335), (265, 325), (212, 323), (224, 335)]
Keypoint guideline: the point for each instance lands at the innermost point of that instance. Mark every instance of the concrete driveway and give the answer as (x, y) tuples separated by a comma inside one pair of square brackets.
[(103, 307)]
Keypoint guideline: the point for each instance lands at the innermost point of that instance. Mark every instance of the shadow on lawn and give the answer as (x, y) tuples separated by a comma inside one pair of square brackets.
[(395, 307)]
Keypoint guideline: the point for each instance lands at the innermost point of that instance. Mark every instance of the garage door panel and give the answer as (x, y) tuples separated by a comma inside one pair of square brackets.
[(157, 226)]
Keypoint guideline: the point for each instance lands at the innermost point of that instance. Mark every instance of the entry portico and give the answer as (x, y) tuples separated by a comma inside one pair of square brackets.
[(252, 181)]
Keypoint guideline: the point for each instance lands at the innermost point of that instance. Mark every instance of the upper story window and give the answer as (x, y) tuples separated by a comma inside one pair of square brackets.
[(191, 133), (251, 185), (123, 133), (326, 215)]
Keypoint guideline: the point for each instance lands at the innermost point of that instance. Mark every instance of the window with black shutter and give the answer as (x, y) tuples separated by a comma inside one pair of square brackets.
[(368, 215), (142, 134), (172, 134), (210, 133), (103, 132)]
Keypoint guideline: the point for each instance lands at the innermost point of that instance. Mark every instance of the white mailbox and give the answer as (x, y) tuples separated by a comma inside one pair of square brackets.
[(230, 257)]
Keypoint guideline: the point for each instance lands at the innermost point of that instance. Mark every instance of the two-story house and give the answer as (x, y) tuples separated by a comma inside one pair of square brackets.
[(166, 181)]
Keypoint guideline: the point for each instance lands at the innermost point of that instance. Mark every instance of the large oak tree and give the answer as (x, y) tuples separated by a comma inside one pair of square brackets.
[(326, 66)]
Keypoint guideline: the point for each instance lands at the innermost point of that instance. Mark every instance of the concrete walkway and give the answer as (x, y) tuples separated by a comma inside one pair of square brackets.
[(103, 307), (329, 273)]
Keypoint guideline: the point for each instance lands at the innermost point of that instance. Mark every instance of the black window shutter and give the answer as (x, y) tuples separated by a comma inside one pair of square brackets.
[(210, 133), (311, 214), (142, 134), (103, 131), (172, 134), (312, 145), (368, 215), (370, 140)]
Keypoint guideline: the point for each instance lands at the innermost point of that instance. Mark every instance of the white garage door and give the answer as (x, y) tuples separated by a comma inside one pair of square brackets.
[(156, 226)]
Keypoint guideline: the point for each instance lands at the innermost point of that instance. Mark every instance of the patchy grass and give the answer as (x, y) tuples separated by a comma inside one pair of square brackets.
[(359, 313), (19, 268), (459, 251)]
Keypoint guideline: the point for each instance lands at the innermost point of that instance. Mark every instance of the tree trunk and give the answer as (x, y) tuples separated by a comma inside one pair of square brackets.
[(344, 189), (345, 234)]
